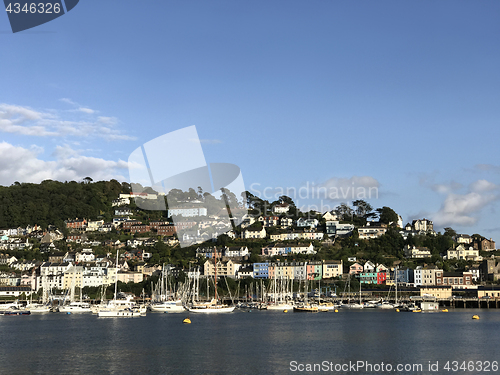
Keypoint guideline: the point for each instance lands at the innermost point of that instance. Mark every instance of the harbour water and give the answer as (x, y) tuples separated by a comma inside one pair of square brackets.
[(256, 342)]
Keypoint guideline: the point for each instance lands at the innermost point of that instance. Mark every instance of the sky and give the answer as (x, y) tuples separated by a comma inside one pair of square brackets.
[(397, 99)]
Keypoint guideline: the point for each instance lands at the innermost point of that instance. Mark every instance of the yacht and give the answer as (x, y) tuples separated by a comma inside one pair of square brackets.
[(168, 306), (76, 307)]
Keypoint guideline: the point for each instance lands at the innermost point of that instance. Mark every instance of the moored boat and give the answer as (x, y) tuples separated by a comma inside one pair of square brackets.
[(76, 307)]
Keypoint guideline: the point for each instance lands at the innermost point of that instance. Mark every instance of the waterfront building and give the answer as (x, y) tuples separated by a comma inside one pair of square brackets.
[(261, 270), (355, 269), (381, 277), (435, 291), (404, 276), (224, 268), (425, 276), (314, 270), (332, 268), (454, 279), (367, 277), (369, 267), (299, 270)]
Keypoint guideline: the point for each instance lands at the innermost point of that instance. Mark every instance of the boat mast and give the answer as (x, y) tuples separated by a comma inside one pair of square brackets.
[(116, 276), (396, 281), (215, 257)]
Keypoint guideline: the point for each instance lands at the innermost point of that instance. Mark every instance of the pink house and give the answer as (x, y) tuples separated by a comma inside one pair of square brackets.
[(355, 268)]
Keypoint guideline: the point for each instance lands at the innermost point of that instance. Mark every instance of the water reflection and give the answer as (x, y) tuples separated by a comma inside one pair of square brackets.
[(240, 343)]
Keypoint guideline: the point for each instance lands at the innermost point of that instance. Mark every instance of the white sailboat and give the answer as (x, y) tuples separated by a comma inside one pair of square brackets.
[(279, 305), (386, 305), (353, 305), (120, 308), (212, 307), (163, 303), (40, 308), (75, 307)]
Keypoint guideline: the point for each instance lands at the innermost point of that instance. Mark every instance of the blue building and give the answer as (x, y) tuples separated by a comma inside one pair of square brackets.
[(261, 270), (404, 276)]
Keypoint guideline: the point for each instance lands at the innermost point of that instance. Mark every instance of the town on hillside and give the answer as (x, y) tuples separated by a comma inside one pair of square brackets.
[(274, 240)]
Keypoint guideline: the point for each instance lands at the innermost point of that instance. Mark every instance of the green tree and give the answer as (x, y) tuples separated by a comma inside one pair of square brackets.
[(387, 215)]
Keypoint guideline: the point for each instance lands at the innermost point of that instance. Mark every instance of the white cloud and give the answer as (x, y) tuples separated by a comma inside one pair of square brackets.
[(24, 165), (26, 121), (465, 209), (68, 101), (86, 110), (482, 186), (446, 188)]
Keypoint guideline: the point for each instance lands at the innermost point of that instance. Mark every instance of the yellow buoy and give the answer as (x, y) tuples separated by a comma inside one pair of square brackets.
[(285, 311), (397, 310), (475, 316), (186, 321), (444, 310), (336, 310)]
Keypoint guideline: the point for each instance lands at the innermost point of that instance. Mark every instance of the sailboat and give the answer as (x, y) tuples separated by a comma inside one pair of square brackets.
[(212, 307), (40, 308), (75, 306), (306, 306), (386, 304), (353, 305), (120, 308), (279, 305), (163, 304)]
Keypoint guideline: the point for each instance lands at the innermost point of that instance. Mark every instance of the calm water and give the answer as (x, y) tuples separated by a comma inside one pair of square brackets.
[(244, 342)]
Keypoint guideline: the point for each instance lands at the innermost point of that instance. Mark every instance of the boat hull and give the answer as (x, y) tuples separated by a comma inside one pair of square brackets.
[(211, 310), (119, 314), (15, 312)]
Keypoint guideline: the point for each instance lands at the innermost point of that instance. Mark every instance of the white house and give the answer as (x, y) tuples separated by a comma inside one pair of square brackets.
[(311, 223), (460, 252), (254, 233), (187, 211), (281, 208), (93, 226), (416, 252), (369, 267)]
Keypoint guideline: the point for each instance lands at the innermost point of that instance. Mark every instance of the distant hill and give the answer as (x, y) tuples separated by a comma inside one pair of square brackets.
[(52, 202)]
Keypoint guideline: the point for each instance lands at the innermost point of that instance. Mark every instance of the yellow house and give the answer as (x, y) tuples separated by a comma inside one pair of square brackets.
[(490, 292), (332, 268), (73, 272), (436, 291)]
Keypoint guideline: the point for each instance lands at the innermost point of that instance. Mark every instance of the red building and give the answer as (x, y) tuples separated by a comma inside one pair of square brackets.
[(141, 228), (381, 277), (76, 224), (166, 230)]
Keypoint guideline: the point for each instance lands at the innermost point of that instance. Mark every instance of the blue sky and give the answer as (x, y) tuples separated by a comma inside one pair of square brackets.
[(403, 96)]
